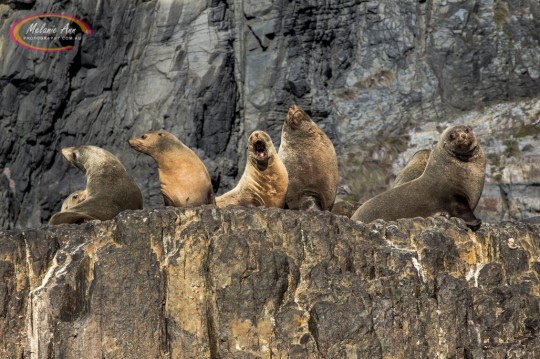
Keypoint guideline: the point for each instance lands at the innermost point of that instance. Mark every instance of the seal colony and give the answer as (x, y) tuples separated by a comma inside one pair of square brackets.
[(302, 175)]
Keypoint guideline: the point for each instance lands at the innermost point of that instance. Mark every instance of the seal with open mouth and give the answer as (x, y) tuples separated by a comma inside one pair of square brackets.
[(311, 162), (451, 184), (264, 181), (184, 180)]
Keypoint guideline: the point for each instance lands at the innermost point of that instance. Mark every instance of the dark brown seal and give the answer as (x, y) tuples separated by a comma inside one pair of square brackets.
[(310, 159), (183, 177), (414, 168), (109, 187), (264, 181), (451, 184), (73, 199)]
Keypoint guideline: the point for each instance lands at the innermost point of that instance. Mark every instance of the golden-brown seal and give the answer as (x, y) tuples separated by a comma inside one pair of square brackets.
[(264, 181), (414, 168), (109, 187), (73, 199), (184, 180), (451, 184), (310, 159)]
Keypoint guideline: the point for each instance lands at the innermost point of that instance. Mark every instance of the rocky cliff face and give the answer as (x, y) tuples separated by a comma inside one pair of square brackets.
[(251, 283), (380, 77)]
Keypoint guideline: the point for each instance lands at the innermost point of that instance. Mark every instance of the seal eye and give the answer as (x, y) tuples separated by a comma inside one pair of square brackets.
[(160, 134), (144, 137), (452, 136), (467, 130), (74, 155)]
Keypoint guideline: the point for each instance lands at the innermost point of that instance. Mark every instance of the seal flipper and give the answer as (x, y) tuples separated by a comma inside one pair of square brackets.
[(461, 209), (310, 203), (211, 199), (167, 200), (70, 218)]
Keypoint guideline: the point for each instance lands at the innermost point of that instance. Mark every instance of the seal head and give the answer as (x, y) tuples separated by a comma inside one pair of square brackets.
[(73, 199), (258, 145), (460, 142)]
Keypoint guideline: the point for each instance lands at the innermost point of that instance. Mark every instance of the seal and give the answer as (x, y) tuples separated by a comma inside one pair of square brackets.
[(184, 180), (414, 168), (109, 187), (451, 184), (265, 179), (310, 159), (73, 199)]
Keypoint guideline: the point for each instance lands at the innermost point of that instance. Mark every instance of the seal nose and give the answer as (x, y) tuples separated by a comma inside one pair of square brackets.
[(66, 151), (463, 135)]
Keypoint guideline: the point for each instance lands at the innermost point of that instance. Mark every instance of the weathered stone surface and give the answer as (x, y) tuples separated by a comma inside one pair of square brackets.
[(369, 72), (250, 283)]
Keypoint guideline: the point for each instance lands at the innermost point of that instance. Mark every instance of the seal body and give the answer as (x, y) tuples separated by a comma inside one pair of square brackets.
[(73, 199), (451, 184), (310, 159), (184, 180), (414, 168), (265, 179), (109, 187)]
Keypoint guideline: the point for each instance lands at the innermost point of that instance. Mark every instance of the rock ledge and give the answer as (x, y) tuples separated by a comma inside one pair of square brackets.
[(250, 283)]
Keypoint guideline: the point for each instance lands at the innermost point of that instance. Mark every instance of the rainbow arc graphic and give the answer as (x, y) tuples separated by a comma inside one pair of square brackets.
[(15, 29)]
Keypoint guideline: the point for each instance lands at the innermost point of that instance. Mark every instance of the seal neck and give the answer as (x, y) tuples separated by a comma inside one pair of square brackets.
[(464, 157)]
